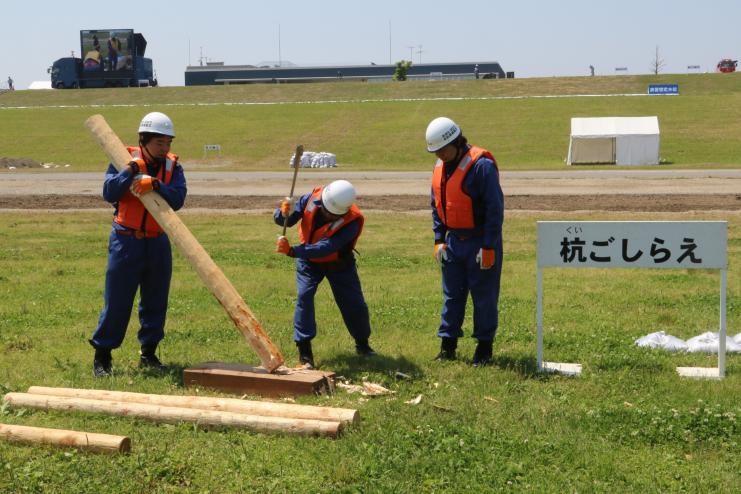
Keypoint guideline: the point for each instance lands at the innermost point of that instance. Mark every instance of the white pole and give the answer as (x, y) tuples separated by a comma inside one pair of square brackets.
[(722, 332), (540, 318)]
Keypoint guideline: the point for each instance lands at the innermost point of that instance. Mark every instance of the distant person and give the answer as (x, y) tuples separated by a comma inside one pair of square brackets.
[(96, 43), (139, 254), (114, 47), (92, 61), (339, 74), (467, 216), (10, 84), (591, 70), (330, 226), (476, 71)]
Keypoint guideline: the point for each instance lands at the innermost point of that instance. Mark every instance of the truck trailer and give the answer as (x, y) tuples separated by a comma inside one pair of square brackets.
[(111, 58)]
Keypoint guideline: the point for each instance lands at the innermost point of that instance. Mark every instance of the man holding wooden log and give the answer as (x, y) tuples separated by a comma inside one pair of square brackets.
[(330, 226), (139, 254)]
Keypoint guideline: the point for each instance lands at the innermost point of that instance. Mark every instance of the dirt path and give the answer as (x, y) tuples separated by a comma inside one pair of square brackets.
[(642, 190)]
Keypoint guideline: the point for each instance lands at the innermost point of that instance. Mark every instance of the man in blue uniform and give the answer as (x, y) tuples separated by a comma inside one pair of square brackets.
[(467, 216), (330, 226), (139, 255)]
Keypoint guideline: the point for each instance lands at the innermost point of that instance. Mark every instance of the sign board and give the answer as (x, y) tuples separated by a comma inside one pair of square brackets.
[(693, 67), (634, 244), (211, 147), (663, 89), (621, 69)]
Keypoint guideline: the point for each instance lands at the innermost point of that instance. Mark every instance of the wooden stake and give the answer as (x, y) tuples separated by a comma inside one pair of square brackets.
[(264, 408), (207, 270), (174, 415), (88, 441)]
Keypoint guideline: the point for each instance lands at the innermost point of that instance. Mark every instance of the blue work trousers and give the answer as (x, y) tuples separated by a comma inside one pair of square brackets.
[(347, 292), (135, 263), (461, 274)]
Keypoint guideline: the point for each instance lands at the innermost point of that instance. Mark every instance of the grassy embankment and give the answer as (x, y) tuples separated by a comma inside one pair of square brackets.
[(628, 424), (378, 126)]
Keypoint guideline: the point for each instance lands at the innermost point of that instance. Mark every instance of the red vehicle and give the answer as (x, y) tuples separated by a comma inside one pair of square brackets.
[(727, 65)]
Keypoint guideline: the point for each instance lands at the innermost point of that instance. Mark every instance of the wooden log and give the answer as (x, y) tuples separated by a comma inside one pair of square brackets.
[(88, 441), (207, 270), (264, 408), (174, 415), (240, 378)]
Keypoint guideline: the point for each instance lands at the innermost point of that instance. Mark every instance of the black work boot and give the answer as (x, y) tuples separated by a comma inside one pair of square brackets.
[(363, 349), (305, 355), (148, 359), (102, 362), (447, 348), (482, 354)]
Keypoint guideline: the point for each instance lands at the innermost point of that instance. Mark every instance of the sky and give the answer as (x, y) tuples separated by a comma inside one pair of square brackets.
[(531, 38)]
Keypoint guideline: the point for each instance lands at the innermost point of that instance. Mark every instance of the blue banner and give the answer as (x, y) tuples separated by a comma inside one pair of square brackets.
[(663, 89)]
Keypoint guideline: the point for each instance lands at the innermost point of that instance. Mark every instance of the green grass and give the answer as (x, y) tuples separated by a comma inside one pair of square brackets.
[(628, 424), (378, 126)]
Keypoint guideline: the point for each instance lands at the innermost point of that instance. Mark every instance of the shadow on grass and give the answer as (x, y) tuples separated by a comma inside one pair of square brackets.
[(354, 366), (525, 366)]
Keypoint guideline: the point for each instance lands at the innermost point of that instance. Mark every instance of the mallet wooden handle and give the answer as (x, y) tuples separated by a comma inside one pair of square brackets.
[(207, 270), (296, 163)]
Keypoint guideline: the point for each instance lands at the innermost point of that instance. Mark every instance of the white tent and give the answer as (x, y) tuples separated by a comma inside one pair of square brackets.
[(614, 140), (40, 85)]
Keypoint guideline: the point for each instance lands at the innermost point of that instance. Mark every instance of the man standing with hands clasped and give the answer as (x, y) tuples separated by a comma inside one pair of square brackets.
[(467, 216), (139, 255), (330, 226)]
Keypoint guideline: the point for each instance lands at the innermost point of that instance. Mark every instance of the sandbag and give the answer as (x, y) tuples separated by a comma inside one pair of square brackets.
[(708, 343), (662, 340)]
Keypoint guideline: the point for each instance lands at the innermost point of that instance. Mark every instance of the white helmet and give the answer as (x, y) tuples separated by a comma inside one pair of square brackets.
[(157, 123), (441, 132), (338, 196)]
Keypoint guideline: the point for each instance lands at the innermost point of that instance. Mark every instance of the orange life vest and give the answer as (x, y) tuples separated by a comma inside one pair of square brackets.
[(454, 206), (308, 235), (131, 212)]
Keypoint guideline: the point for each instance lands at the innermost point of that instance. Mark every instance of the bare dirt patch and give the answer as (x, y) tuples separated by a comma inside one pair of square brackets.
[(597, 202)]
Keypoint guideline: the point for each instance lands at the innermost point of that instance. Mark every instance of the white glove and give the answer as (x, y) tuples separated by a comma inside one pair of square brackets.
[(441, 253)]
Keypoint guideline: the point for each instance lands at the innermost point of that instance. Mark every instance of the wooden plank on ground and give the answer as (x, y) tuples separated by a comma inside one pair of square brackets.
[(245, 379)]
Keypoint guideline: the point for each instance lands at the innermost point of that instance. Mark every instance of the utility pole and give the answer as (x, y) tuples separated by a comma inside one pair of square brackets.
[(390, 62), (411, 53), (419, 52), (280, 61)]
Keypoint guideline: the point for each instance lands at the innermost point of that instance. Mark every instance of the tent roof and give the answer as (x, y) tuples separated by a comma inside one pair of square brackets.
[(614, 126)]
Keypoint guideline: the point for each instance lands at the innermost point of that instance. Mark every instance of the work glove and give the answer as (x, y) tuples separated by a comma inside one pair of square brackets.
[(486, 258), (283, 247), (136, 166), (441, 253), (287, 206), (143, 184)]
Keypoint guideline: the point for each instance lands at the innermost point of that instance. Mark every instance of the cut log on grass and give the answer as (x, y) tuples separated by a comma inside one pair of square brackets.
[(174, 415), (264, 408), (88, 441), (207, 270)]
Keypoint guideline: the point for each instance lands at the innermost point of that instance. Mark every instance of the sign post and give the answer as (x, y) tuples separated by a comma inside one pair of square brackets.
[(637, 244)]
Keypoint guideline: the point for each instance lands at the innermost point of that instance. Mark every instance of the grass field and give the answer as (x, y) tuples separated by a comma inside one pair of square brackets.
[(629, 424), (378, 126)]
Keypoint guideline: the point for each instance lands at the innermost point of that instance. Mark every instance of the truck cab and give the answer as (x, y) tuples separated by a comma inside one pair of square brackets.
[(65, 73)]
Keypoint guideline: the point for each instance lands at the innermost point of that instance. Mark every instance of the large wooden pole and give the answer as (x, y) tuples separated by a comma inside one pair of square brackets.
[(264, 408), (89, 441), (207, 270), (174, 415)]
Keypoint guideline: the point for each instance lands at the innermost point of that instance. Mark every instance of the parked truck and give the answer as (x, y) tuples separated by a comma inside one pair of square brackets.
[(727, 65), (111, 58)]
